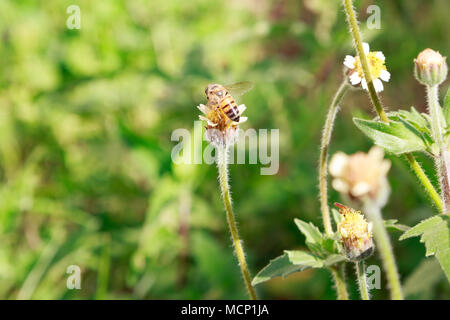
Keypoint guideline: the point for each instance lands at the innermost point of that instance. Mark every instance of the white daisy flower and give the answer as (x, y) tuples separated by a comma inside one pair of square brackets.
[(377, 67)]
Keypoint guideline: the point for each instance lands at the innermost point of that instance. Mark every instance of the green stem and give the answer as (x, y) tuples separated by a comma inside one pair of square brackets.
[(437, 130), (385, 249), (362, 280), (415, 166), (222, 166), (338, 274), (375, 99), (354, 28), (323, 164)]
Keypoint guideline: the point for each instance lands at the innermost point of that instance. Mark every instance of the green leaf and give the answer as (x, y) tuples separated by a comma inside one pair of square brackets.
[(423, 279), (394, 137), (333, 259), (447, 107), (298, 257), (435, 233), (288, 263), (313, 235), (393, 225), (337, 217)]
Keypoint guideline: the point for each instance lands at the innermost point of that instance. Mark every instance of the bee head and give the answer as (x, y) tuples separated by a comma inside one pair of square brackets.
[(215, 92)]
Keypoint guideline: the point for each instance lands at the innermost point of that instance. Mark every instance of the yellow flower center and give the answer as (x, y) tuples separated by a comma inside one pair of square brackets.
[(376, 65)]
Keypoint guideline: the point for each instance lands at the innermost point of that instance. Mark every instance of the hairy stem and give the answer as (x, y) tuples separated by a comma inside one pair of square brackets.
[(354, 28), (375, 99), (323, 164), (362, 280), (222, 166), (338, 273), (415, 166), (438, 130), (385, 249), (338, 276)]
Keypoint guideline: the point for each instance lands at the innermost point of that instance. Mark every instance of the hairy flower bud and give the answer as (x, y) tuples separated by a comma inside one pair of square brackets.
[(430, 68), (356, 234)]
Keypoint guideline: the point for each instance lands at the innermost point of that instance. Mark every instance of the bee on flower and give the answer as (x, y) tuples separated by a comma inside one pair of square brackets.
[(361, 176), (355, 233), (222, 114), (378, 71)]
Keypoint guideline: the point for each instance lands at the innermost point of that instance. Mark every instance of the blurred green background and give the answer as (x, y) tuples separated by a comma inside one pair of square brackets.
[(86, 176)]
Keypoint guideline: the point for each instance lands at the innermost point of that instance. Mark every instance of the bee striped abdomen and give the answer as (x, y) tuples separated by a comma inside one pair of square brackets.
[(230, 108)]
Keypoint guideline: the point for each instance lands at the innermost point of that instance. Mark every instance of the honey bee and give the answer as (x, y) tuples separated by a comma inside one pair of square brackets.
[(220, 99)]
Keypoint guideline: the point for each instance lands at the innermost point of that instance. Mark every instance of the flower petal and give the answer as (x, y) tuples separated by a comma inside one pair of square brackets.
[(380, 55), (364, 84), (366, 47), (340, 185), (355, 78), (242, 119), (338, 163), (349, 62), (378, 85), (385, 75), (202, 108), (241, 108), (360, 189)]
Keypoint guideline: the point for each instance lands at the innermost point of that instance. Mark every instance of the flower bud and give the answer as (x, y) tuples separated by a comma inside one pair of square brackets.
[(355, 233), (430, 68)]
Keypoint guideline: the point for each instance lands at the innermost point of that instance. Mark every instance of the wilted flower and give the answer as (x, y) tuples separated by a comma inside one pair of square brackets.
[(220, 130), (430, 67), (377, 67), (361, 175), (355, 233)]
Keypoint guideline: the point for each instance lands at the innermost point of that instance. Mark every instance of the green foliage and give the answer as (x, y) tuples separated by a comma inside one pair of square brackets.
[(435, 233), (396, 137), (324, 253), (420, 284), (86, 117), (447, 107)]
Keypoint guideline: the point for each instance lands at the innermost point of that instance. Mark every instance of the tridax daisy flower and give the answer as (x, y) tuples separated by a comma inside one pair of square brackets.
[(361, 176), (220, 129), (356, 233), (377, 67)]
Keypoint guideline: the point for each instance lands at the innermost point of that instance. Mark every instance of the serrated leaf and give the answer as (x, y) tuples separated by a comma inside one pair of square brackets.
[(435, 233), (393, 225), (394, 136), (313, 235), (288, 263)]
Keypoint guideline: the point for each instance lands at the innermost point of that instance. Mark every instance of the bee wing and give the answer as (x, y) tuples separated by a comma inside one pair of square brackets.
[(239, 88)]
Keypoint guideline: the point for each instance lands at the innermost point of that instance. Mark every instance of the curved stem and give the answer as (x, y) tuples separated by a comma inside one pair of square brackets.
[(385, 249), (323, 165), (375, 99), (362, 280), (222, 165), (338, 275)]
